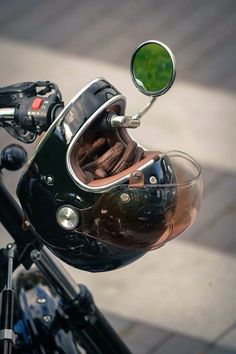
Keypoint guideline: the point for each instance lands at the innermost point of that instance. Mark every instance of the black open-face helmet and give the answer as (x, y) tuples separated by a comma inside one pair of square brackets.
[(96, 197)]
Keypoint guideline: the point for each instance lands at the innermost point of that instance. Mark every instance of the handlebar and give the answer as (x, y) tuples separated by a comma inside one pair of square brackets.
[(7, 112), (26, 112)]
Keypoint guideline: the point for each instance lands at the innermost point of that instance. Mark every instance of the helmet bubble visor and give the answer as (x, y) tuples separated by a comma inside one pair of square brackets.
[(146, 218)]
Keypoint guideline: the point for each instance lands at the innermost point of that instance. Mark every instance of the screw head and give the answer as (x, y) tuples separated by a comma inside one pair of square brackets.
[(27, 223), (35, 255), (153, 180), (137, 174), (41, 300), (125, 197), (47, 318), (49, 180)]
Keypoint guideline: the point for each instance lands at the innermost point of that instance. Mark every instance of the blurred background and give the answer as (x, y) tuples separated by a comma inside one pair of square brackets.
[(181, 298)]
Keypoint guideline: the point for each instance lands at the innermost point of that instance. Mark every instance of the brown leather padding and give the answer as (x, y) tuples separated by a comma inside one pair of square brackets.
[(149, 155), (101, 156)]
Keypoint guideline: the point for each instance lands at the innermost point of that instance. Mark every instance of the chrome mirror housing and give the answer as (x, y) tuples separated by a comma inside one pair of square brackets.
[(153, 73), (153, 68)]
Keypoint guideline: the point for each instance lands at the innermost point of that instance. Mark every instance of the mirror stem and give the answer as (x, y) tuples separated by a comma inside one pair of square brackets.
[(146, 108), (133, 121)]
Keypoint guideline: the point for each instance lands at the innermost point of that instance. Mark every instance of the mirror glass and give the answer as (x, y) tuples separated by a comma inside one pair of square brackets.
[(153, 68)]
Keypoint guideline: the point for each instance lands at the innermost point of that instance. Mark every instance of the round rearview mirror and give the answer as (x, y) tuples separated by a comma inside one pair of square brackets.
[(153, 68)]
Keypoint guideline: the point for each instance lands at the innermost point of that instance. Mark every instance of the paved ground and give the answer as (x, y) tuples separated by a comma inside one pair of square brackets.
[(201, 32), (181, 298)]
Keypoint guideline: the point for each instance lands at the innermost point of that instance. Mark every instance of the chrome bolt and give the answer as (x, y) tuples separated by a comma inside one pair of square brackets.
[(67, 217), (125, 197), (47, 318), (27, 223), (41, 300), (153, 180), (49, 180), (137, 174), (35, 255)]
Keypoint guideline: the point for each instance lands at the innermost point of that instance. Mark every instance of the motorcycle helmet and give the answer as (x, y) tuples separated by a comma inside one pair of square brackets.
[(97, 198)]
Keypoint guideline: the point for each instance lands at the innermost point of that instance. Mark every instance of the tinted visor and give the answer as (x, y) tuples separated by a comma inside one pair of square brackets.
[(146, 218)]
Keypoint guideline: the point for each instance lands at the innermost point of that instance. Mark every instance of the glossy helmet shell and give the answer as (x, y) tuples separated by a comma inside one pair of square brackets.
[(49, 183), (40, 199)]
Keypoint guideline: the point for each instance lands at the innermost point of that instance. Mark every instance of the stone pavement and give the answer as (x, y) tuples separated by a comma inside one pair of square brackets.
[(201, 33), (181, 298)]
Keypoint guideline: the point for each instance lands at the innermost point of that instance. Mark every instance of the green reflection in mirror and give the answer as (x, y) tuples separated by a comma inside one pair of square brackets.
[(152, 68)]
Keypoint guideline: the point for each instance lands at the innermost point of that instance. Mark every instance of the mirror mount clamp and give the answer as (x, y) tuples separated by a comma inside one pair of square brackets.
[(124, 122), (131, 121)]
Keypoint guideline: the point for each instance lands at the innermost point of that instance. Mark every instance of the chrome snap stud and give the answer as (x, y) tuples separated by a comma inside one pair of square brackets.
[(67, 217)]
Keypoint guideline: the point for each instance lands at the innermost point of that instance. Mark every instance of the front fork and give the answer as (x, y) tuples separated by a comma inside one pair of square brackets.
[(7, 336), (83, 316)]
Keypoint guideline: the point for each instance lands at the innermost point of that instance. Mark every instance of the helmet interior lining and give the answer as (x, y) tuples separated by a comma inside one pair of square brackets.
[(104, 155)]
